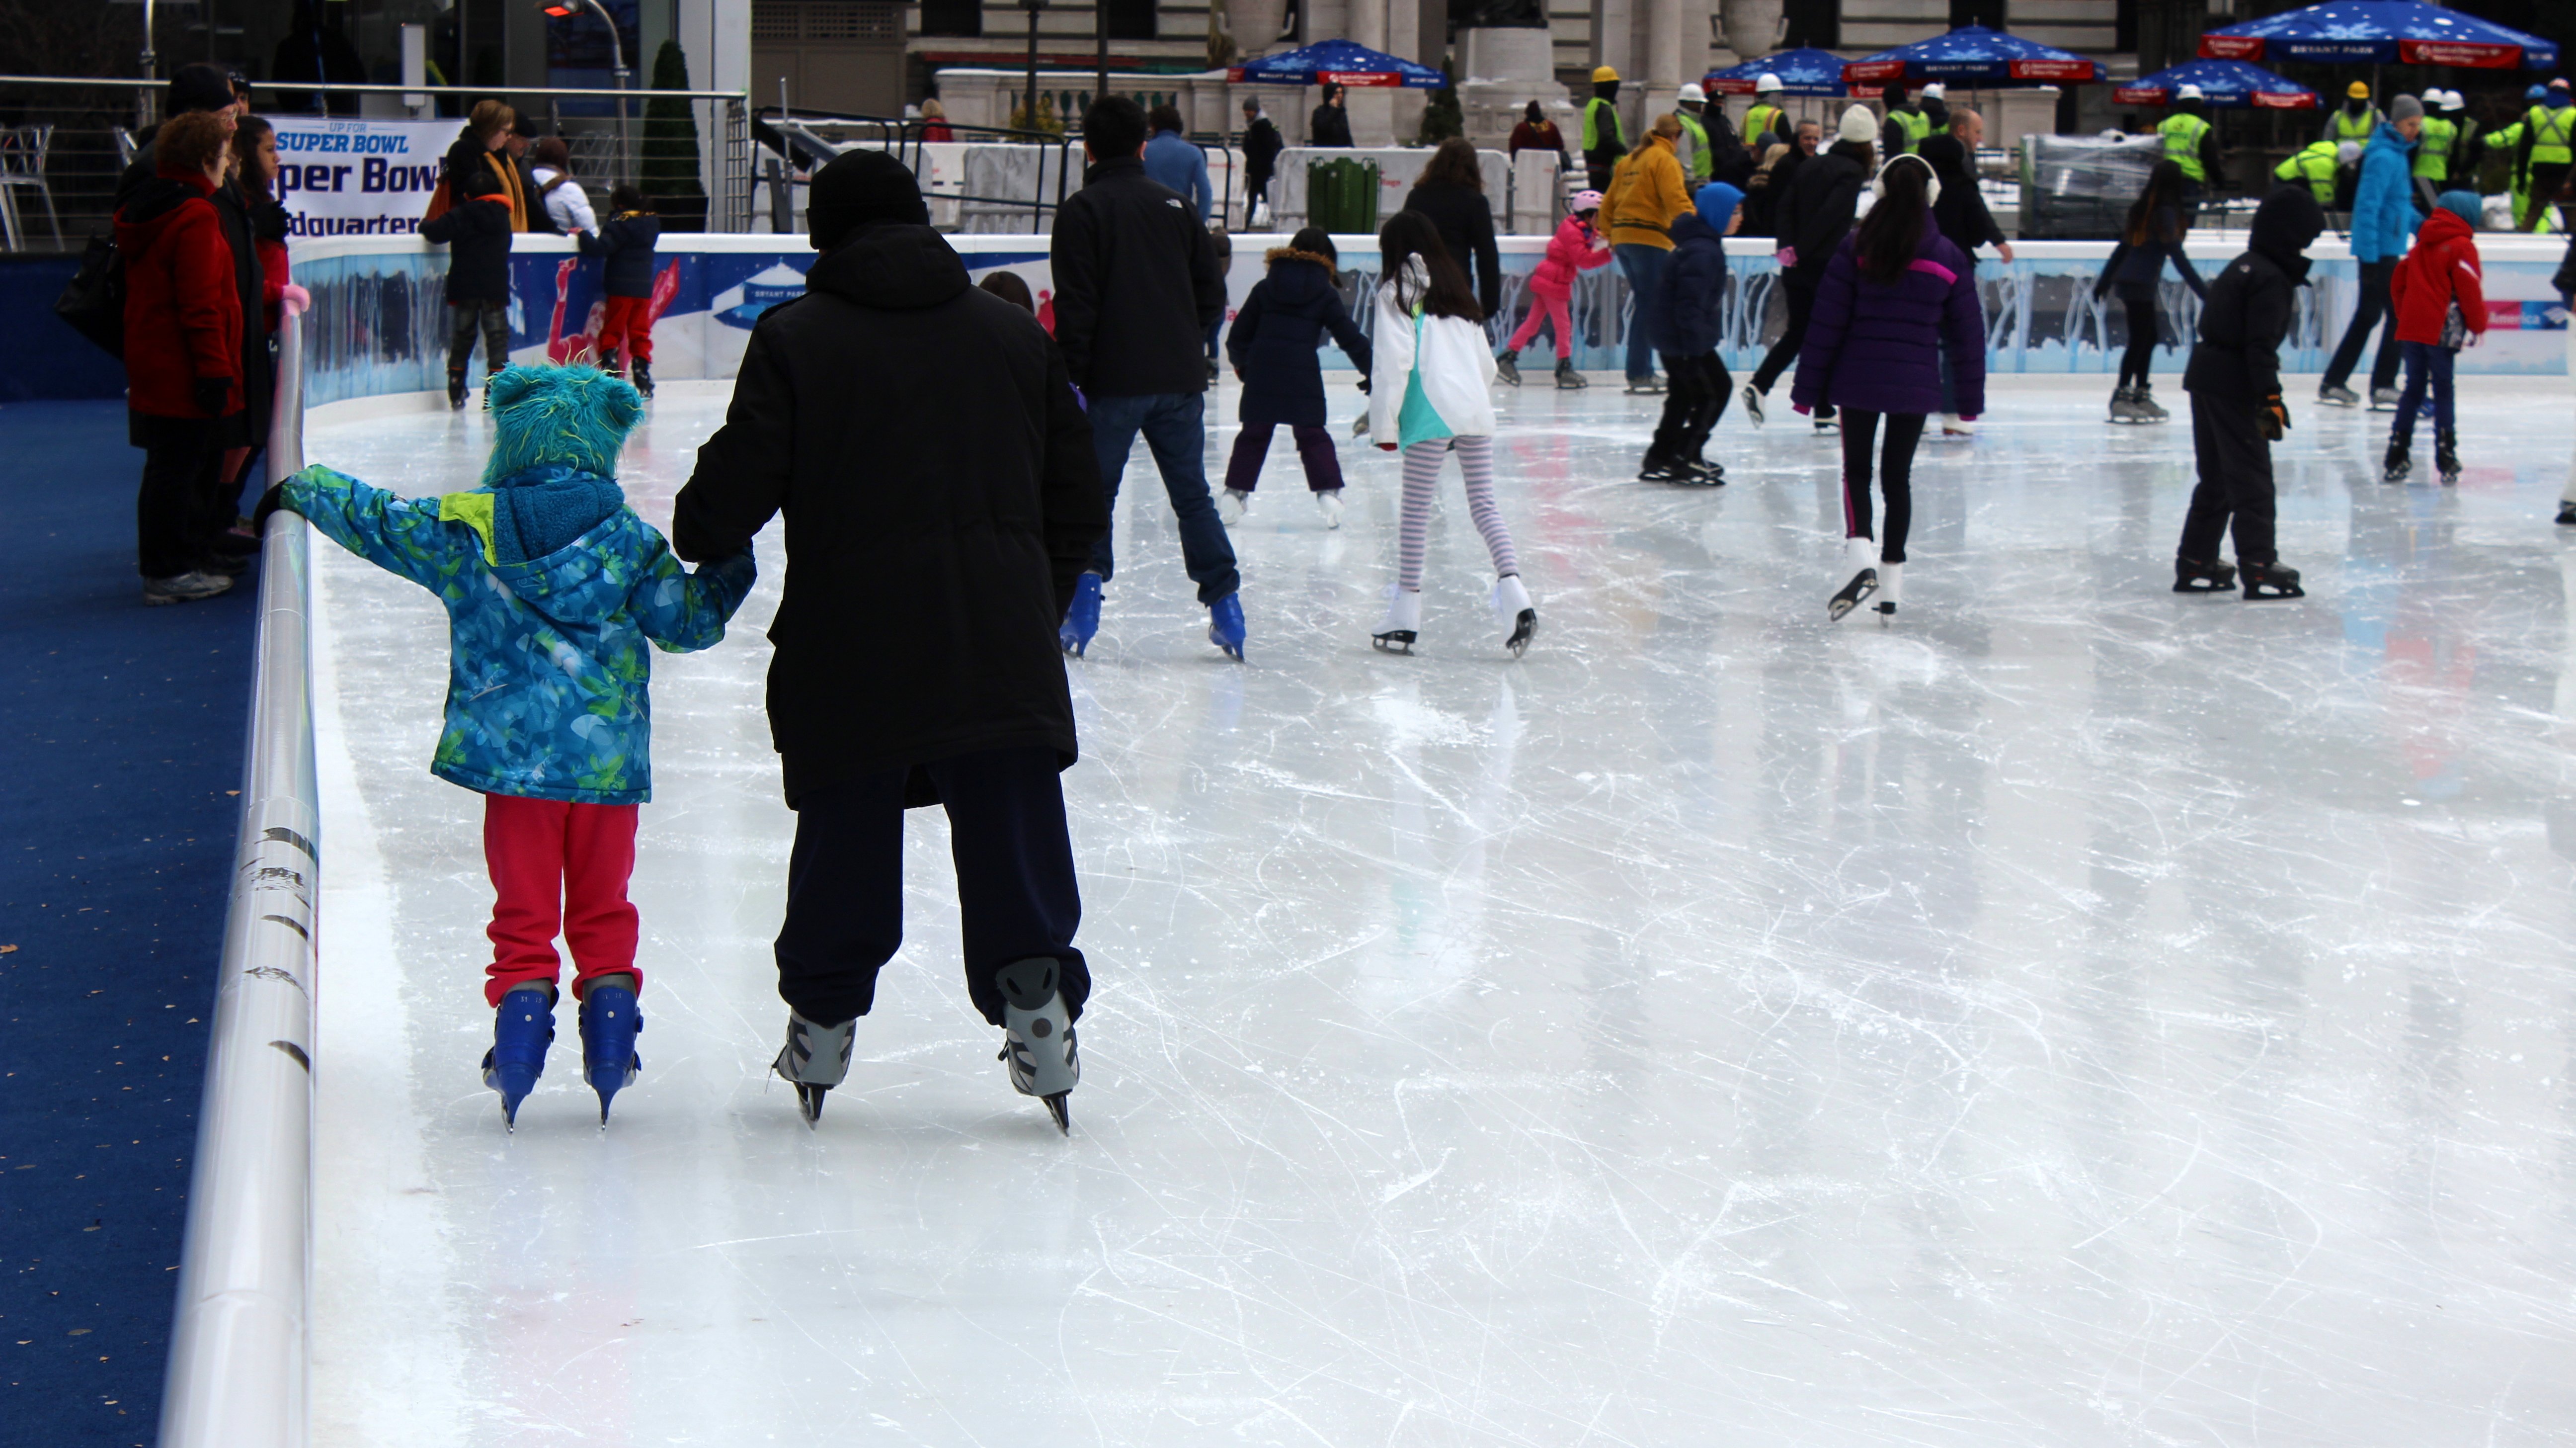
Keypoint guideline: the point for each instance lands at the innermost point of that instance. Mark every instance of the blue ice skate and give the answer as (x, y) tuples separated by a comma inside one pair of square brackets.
[(522, 1029), (1082, 620), (1225, 625), (609, 1025)]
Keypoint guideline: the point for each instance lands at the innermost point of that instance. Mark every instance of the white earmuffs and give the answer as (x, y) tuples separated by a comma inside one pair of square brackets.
[(1931, 183)]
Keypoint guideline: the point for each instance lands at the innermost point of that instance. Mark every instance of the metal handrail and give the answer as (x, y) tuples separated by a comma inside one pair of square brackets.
[(901, 137), (238, 1374)]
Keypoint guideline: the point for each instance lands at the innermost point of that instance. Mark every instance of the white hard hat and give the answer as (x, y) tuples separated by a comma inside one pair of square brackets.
[(1767, 84), (1934, 92), (2188, 93), (2347, 153), (1691, 92)]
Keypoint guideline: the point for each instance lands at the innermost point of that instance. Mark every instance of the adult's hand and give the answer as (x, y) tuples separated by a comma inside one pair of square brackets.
[(211, 393), (2005, 248)]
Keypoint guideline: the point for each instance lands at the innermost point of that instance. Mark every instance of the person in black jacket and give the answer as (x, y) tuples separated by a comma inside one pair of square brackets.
[(1273, 349), (1813, 219), (941, 495), (1331, 124), (1960, 212), (627, 239), (1451, 191), (1262, 144), (1136, 288), (2234, 379), (2152, 235), (477, 230), (1693, 296)]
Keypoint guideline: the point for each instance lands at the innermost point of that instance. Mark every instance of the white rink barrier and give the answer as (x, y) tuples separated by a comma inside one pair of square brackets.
[(237, 1374)]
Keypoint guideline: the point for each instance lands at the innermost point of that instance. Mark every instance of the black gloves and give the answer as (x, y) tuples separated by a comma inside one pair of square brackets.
[(212, 393), (2274, 418), (269, 502)]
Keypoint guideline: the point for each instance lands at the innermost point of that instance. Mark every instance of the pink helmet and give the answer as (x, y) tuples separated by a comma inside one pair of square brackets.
[(1585, 201)]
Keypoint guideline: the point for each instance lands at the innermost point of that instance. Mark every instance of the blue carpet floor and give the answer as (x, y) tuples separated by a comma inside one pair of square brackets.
[(122, 728)]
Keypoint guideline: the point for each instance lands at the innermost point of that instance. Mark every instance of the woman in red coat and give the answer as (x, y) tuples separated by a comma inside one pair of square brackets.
[(183, 357)]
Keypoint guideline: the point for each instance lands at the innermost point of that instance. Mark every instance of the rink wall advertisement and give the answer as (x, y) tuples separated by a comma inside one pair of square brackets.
[(379, 322), (357, 178)]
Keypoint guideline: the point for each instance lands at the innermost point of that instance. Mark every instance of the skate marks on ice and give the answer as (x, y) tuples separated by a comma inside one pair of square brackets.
[(2073, 1014)]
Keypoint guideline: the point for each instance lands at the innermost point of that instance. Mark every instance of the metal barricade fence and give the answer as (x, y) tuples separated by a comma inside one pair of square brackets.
[(1026, 195), (63, 143)]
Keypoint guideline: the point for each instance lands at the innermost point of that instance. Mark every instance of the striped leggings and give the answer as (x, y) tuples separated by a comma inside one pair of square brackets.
[(1421, 475)]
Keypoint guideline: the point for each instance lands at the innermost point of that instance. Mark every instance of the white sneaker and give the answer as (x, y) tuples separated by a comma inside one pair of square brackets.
[(1328, 502), (1230, 506)]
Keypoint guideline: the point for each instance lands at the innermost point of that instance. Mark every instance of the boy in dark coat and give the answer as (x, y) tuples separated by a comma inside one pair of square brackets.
[(1273, 349), (477, 230), (2234, 379), (1694, 294), (934, 533), (627, 239)]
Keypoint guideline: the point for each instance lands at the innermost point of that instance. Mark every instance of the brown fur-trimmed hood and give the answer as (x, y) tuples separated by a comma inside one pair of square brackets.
[(1278, 254)]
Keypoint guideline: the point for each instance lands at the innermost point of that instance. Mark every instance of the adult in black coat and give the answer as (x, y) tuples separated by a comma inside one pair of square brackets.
[(1137, 287), (1812, 220), (1961, 210), (1451, 192), (1262, 144), (1331, 124), (476, 231), (2234, 378), (941, 494)]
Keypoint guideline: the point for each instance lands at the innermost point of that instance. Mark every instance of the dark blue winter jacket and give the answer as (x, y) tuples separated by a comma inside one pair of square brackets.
[(2383, 205), (1695, 274), (627, 240), (1877, 347), (1276, 333)]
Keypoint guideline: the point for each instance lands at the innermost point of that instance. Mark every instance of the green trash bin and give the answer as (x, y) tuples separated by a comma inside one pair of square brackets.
[(1341, 196)]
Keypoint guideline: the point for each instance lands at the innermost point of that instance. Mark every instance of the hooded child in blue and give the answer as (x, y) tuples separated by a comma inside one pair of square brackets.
[(552, 587), (1694, 294)]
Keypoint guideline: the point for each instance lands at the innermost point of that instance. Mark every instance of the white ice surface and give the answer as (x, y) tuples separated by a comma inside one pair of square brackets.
[(2073, 1015)]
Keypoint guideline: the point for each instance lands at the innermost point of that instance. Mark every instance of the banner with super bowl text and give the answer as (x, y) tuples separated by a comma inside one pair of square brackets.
[(357, 178)]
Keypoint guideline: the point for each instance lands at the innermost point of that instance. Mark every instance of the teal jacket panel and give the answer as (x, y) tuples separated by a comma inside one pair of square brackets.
[(547, 693)]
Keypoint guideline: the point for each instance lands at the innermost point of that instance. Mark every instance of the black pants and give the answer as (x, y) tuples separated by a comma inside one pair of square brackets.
[(1015, 888), (2546, 178), (2235, 482), (2373, 307), (1694, 402), (1895, 477), (179, 506), (493, 319), (1784, 353), (2137, 362)]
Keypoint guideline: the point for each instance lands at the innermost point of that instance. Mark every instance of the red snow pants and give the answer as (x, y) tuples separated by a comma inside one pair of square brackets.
[(558, 868), (627, 329)]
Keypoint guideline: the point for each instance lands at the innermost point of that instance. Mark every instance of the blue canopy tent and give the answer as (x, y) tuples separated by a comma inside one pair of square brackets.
[(1974, 55), (1337, 62), (1802, 72), (2380, 32), (2224, 85)]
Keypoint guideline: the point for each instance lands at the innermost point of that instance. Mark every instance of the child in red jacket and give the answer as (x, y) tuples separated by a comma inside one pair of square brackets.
[(2441, 307)]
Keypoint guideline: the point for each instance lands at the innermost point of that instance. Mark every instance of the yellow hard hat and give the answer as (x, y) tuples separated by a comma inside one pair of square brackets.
[(1602, 73), (2358, 91)]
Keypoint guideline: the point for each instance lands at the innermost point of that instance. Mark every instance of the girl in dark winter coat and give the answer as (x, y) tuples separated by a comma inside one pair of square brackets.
[(1273, 349), (2152, 235), (183, 358), (627, 239), (1891, 298), (1694, 292), (2234, 379), (478, 276)]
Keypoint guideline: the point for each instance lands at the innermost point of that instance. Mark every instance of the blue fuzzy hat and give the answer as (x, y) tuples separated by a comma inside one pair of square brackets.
[(1715, 202), (2462, 204), (570, 417)]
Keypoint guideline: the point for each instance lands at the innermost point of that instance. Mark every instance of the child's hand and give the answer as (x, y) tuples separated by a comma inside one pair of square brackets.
[(269, 502), (293, 299)]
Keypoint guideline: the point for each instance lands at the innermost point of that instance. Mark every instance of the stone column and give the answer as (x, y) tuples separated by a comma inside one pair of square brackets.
[(1663, 57)]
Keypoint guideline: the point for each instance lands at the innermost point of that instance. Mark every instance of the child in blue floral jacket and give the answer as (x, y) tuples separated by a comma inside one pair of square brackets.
[(553, 588)]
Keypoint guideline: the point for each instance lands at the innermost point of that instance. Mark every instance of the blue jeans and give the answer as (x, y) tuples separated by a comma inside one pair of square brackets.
[(1175, 429), (1644, 267), (2426, 362)]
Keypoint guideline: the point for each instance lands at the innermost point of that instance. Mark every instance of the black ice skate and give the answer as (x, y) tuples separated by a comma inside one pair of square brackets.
[(1037, 1042), (643, 380), (2269, 580), (2394, 467), (2194, 576), (815, 1059), (1861, 553), (1507, 366), (2446, 458), (2567, 511), (1658, 470), (456, 389), (1567, 379), (1753, 404)]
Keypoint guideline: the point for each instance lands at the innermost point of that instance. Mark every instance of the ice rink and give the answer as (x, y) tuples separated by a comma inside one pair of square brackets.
[(2075, 1014)]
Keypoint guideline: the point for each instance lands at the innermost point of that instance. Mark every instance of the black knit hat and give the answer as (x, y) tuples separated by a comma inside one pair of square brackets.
[(200, 87), (857, 188)]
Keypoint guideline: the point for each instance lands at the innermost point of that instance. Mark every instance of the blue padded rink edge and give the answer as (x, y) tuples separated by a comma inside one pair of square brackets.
[(2071, 1014)]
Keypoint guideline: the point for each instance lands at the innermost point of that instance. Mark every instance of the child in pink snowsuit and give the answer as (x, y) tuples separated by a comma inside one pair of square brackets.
[(1576, 247)]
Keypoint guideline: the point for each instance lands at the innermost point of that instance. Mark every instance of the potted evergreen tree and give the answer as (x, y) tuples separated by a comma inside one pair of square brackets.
[(667, 171)]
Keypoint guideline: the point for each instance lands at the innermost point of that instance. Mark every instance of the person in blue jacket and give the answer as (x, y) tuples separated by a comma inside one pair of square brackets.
[(556, 597), (2383, 221), (1173, 161), (1694, 292)]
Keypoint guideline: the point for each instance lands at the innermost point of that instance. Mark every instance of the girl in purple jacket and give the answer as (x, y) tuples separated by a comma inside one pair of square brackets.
[(1893, 293)]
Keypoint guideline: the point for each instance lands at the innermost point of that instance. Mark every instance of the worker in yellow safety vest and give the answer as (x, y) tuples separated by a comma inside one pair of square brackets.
[(1602, 143), (2321, 165), (1690, 107), (1766, 117), (2358, 121), (2544, 144), (2433, 152), (1906, 126), (2191, 142)]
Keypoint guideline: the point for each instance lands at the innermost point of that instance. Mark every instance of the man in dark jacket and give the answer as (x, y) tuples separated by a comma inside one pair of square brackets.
[(1961, 210), (2234, 379), (1262, 144), (1823, 196), (1331, 125), (1136, 288), (941, 495), (477, 231)]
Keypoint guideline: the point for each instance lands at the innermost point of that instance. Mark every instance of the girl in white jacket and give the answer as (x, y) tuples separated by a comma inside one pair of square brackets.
[(1430, 389)]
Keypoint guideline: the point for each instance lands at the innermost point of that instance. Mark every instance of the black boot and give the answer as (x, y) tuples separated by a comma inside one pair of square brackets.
[(2446, 457), (2394, 467), (2194, 576), (1507, 366), (2269, 580), (644, 378), (456, 389)]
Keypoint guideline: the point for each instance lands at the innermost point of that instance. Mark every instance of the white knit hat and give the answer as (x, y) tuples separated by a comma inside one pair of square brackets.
[(1858, 125)]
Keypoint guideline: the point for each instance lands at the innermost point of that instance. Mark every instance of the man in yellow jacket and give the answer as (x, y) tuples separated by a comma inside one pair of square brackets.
[(1647, 195)]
